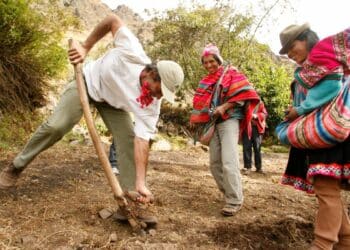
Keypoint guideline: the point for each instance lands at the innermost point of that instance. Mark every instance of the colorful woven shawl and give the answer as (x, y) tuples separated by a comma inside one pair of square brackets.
[(235, 88), (260, 122), (330, 124), (329, 57), (322, 128)]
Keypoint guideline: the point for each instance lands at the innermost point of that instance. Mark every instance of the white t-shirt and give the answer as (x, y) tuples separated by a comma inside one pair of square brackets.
[(114, 78)]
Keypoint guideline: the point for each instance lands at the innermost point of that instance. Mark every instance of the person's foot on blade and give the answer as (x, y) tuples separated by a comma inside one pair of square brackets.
[(142, 215)]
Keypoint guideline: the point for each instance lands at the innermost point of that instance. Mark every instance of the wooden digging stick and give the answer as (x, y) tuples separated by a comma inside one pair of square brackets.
[(112, 179)]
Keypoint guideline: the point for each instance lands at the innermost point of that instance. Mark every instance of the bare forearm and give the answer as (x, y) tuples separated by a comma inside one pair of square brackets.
[(110, 24), (78, 52), (141, 160), (228, 105)]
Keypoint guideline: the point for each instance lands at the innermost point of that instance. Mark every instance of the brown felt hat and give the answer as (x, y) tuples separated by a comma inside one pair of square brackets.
[(289, 34)]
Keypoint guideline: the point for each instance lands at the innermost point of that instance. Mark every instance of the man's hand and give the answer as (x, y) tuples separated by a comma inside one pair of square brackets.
[(141, 161), (145, 195), (77, 52), (220, 110)]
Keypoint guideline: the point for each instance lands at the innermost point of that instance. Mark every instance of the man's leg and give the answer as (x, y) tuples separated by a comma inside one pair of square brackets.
[(67, 113), (228, 132), (120, 124), (215, 162), (247, 151), (113, 158), (256, 141)]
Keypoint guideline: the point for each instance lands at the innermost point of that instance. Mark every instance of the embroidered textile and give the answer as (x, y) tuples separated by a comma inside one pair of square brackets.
[(334, 170), (329, 56), (235, 88)]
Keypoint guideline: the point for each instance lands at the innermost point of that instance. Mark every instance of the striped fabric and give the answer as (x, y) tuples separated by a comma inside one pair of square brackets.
[(322, 128), (261, 113)]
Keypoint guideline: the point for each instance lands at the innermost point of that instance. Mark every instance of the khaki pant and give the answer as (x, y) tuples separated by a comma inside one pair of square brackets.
[(224, 161), (332, 225), (68, 113)]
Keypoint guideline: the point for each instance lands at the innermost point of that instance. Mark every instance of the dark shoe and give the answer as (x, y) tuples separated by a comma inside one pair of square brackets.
[(246, 171), (9, 176), (259, 170), (230, 209), (142, 215)]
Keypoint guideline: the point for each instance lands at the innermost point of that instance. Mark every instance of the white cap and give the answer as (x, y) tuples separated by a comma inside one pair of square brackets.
[(171, 76)]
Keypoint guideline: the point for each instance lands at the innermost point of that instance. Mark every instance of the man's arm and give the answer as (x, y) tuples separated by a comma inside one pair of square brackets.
[(79, 51), (141, 151)]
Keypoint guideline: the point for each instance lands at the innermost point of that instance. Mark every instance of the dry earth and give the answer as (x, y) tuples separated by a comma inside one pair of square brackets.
[(57, 202)]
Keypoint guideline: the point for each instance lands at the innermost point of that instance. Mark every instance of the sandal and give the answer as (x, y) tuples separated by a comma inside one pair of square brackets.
[(230, 209)]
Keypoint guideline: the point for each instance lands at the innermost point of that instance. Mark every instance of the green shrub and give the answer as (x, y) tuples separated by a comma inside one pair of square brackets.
[(181, 34), (30, 53)]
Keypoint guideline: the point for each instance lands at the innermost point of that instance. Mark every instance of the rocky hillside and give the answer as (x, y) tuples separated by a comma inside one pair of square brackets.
[(91, 12)]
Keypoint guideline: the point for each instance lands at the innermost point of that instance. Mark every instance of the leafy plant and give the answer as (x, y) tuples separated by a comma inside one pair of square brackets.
[(30, 52)]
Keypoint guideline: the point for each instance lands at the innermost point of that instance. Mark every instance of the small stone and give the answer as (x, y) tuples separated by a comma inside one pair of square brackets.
[(113, 237), (26, 240), (152, 232), (105, 213), (174, 237), (75, 142), (142, 232)]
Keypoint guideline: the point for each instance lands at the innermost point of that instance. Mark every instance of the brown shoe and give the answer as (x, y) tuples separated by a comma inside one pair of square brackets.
[(141, 211), (142, 215), (9, 176)]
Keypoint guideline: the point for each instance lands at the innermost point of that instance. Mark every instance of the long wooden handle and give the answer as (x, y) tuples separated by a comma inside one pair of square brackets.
[(112, 179)]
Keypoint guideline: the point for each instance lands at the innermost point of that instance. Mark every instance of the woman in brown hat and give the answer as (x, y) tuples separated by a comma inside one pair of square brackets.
[(319, 79)]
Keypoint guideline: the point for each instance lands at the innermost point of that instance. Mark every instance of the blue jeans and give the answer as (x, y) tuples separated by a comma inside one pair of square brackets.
[(113, 156)]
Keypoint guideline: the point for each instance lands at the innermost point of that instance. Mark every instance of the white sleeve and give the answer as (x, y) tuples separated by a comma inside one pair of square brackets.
[(129, 46), (145, 126)]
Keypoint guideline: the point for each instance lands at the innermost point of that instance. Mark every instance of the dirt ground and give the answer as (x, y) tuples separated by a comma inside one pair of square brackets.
[(57, 201)]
